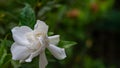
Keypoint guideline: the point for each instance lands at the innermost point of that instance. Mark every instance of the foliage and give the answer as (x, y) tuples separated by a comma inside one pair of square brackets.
[(27, 16)]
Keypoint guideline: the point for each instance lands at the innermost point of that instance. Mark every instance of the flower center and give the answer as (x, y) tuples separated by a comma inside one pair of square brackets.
[(33, 40)]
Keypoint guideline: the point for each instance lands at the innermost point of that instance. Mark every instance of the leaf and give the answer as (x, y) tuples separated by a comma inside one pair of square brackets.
[(15, 64), (67, 44), (50, 33), (7, 43), (91, 63), (7, 64), (3, 54), (27, 16), (33, 64)]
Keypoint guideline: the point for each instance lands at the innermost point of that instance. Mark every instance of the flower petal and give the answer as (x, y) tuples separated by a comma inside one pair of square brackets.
[(19, 34), (19, 52), (41, 27), (54, 39), (42, 60), (35, 53), (57, 52)]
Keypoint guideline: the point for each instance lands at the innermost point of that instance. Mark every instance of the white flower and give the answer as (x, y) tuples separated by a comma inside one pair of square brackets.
[(31, 43)]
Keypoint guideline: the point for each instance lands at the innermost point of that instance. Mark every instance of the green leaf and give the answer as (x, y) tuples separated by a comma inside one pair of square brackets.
[(3, 54), (27, 16), (15, 64), (33, 64), (7, 64), (50, 33), (67, 44), (91, 63)]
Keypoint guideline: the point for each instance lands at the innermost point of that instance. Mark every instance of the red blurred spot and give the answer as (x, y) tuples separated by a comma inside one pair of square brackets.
[(74, 13)]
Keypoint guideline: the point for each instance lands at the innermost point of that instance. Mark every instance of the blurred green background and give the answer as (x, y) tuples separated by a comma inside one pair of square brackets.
[(91, 28)]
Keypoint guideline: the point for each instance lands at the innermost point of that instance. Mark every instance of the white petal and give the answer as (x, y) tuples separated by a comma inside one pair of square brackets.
[(19, 52), (41, 39), (19, 34), (35, 53), (57, 52), (42, 60), (54, 39), (41, 27)]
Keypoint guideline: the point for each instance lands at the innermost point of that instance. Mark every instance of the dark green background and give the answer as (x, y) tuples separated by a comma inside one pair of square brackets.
[(91, 28)]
